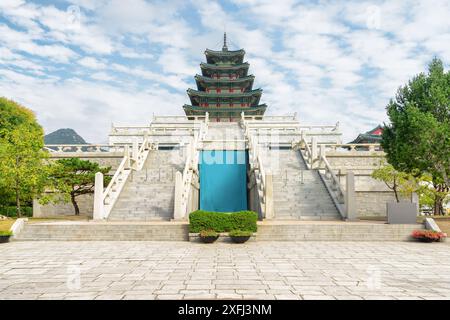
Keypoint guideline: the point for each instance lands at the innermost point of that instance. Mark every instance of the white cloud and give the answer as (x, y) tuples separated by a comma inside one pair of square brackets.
[(328, 61), (92, 63)]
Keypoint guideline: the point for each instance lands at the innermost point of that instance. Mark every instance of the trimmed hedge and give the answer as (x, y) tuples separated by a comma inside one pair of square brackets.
[(222, 221)]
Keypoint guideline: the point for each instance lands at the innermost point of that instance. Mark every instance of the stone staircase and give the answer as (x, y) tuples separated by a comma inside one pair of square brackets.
[(149, 193), (299, 193), (224, 136), (225, 131)]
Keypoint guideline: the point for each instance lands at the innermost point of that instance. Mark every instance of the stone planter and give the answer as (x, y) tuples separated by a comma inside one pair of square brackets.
[(4, 239), (223, 237), (239, 239), (401, 212), (209, 239)]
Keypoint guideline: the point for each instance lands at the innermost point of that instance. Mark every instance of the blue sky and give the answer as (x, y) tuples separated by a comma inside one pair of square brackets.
[(85, 64)]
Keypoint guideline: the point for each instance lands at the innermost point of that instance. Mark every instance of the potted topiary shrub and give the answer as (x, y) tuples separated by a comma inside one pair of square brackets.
[(208, 236), (428, 235), (240, 236), (4, 236)]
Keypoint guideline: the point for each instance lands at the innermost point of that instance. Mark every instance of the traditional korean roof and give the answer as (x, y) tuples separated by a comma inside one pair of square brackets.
[(256, 93), (252, 96), (371, 136), (244, 65), (224, 56), (204, 82)]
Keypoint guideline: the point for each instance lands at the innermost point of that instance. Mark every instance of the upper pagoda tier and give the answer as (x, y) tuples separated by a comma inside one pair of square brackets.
[(224, 89), (226, 57)]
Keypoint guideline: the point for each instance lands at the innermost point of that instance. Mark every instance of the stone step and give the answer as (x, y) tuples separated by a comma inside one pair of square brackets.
[(174, 231), (105, 232), (339, 231)]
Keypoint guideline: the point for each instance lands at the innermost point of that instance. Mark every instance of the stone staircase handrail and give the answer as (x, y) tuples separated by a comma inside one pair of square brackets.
[(129, 162), (335, 189), (190, 168), (353, 146), (256, 165), (115, 186)]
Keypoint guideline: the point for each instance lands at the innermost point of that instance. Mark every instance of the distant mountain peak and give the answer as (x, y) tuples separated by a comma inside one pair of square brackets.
[(64, 136)]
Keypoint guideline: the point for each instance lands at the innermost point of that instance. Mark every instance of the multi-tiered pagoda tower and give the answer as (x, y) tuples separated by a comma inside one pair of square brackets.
[(224, 89)]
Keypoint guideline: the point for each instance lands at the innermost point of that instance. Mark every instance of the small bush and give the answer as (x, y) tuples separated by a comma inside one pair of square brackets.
[(5, 233), (240, 233), (222, 221), (208, 233)]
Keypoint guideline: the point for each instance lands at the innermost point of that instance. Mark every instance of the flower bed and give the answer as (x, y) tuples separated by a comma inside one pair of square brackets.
[(428, 235)]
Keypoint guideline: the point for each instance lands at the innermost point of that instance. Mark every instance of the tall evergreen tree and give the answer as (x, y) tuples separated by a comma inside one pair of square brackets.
[(418, 136)]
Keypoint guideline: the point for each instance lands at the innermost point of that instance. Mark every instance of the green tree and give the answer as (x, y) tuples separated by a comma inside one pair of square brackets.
[(418, 136), (71, 178), (21, 156), (403, 183)]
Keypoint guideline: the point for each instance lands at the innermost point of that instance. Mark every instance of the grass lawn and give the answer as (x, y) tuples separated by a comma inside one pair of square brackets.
[(444, 224), (58, 218), (5, 225)]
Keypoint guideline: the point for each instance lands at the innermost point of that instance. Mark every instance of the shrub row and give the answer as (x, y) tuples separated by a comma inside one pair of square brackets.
[(222, 221), (10, 211)]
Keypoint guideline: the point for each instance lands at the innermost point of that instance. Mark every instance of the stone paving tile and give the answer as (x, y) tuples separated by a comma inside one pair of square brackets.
[(256, 270)]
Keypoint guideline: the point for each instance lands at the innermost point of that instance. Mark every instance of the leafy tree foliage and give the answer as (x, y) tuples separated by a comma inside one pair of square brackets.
[(402, 183), (418, 136), (71, 178), (21, 140)]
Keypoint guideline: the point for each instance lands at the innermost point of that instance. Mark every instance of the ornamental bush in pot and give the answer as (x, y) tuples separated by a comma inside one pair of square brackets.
[(4, 236), (240, 236), (208, 236)]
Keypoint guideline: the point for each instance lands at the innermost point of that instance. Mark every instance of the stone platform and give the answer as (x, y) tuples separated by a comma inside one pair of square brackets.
[(178, 231)]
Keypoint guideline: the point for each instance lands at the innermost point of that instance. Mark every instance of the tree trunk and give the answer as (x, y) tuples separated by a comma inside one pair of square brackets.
[(75, 204), (18, 210), (438, 205)]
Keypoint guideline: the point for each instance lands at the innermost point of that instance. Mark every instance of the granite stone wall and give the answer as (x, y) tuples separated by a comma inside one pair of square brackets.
[(371, 195)]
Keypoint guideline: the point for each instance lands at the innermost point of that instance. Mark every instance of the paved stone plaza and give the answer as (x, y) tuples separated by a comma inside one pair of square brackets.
[(257, 270)]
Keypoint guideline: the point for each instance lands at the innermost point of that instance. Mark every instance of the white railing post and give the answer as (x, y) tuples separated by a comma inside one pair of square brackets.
[(135, 149), (321, 153), (127, 157), (98, 197), (302, 138), (145, 140), (313, 151), (268, 190), (178, 213), (350, 196)]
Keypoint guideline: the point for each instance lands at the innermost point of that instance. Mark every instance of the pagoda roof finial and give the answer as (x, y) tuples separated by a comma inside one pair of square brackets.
[(225, 47)]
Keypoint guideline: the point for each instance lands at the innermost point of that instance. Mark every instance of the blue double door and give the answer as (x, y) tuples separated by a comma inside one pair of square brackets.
[(223, 180)]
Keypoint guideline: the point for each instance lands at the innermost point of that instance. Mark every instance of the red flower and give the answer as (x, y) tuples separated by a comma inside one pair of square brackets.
[(428, 234)]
